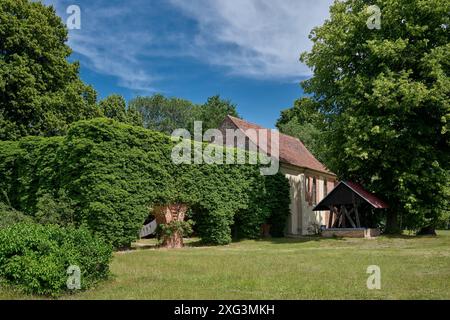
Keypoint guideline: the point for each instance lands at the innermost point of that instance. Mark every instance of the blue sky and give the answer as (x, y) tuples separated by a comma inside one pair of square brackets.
[(245, 50)]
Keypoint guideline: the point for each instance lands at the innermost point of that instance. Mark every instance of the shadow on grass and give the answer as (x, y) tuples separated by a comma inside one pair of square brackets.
[(152, 244), (292, 240), (400, 236), (198, 243)]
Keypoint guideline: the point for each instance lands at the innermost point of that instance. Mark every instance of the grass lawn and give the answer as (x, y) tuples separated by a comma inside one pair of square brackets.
[(306, 268)]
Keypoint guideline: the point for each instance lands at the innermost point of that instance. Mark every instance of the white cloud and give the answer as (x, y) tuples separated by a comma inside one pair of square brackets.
[(256, 38), (130, 40), (108, 43), (116, 55)]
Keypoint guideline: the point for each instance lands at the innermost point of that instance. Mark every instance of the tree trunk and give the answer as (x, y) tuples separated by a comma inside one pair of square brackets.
[(392, 226), (427, 231)]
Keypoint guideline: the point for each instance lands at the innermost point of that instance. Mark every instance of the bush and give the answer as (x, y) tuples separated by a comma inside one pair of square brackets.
[(51, 210), (36, 258), (278, 201), (167, 230), (10, 216)]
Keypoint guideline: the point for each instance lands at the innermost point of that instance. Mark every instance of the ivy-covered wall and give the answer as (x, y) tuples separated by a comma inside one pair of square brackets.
[(112, 173)]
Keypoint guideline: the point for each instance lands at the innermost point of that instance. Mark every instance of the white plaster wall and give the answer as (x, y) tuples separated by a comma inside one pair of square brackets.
[(310, 216), (294, 219), (302, 214)]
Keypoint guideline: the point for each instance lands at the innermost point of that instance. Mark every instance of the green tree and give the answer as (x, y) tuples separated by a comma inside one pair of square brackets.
[(40, 91), (163, 114), (385, 93), (115, 107), (214, 111), (167, 114), (306, 122)]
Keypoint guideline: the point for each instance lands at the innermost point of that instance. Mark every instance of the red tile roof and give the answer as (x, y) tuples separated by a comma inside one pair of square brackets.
[(291, 150), (366, 195)]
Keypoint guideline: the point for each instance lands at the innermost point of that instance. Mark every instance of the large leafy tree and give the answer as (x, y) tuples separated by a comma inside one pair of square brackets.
[(115, 107), (163, 114), (304, 121), (385, 93), (40, 91), (213, 112)]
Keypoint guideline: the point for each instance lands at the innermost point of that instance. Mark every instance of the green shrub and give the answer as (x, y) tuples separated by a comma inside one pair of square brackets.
[(36, 257), (112, 172), (184, 228), (277, 187), (51, 210), (10, 216)]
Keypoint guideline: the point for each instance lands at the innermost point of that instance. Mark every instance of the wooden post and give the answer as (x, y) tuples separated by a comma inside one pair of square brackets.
[(341, 218), (349, 218), (338, 218), (330, 218)]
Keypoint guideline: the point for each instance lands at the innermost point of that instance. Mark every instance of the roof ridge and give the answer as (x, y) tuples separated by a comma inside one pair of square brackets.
[(257, 125), (287, 153)]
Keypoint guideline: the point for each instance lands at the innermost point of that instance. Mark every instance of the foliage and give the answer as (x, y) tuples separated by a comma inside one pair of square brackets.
[(277, 187), (183, 228), (10, 216), (248, 222), (385, 94), (55, 211), (115, 107), (36, 257), (305, 122), (213, 112), (163, 114), (109, 173), (40, 91), (314, 228), (168, 114)]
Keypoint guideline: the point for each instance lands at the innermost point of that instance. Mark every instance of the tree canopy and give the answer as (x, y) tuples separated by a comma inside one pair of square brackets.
[(115, 107), (40, 91), (385, 94), (214, 111), (163, 114), (167, 114), (305, 122)]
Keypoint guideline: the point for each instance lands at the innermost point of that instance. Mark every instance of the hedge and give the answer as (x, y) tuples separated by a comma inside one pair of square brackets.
[(112, 173)]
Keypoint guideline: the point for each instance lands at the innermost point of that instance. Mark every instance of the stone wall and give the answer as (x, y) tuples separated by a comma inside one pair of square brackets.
[(351, 233)]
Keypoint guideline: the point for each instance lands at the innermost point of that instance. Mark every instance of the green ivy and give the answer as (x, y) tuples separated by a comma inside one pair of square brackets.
[(184, 228), (109, 173)]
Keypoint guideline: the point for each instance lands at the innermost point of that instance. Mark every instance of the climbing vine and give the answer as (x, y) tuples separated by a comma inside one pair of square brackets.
[(111, 172)]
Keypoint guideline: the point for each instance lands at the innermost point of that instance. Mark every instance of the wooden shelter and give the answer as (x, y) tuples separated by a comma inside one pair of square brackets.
[(346, 202)]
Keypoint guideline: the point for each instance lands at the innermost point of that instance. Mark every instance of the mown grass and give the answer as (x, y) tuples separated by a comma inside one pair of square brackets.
[(306, 268)]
